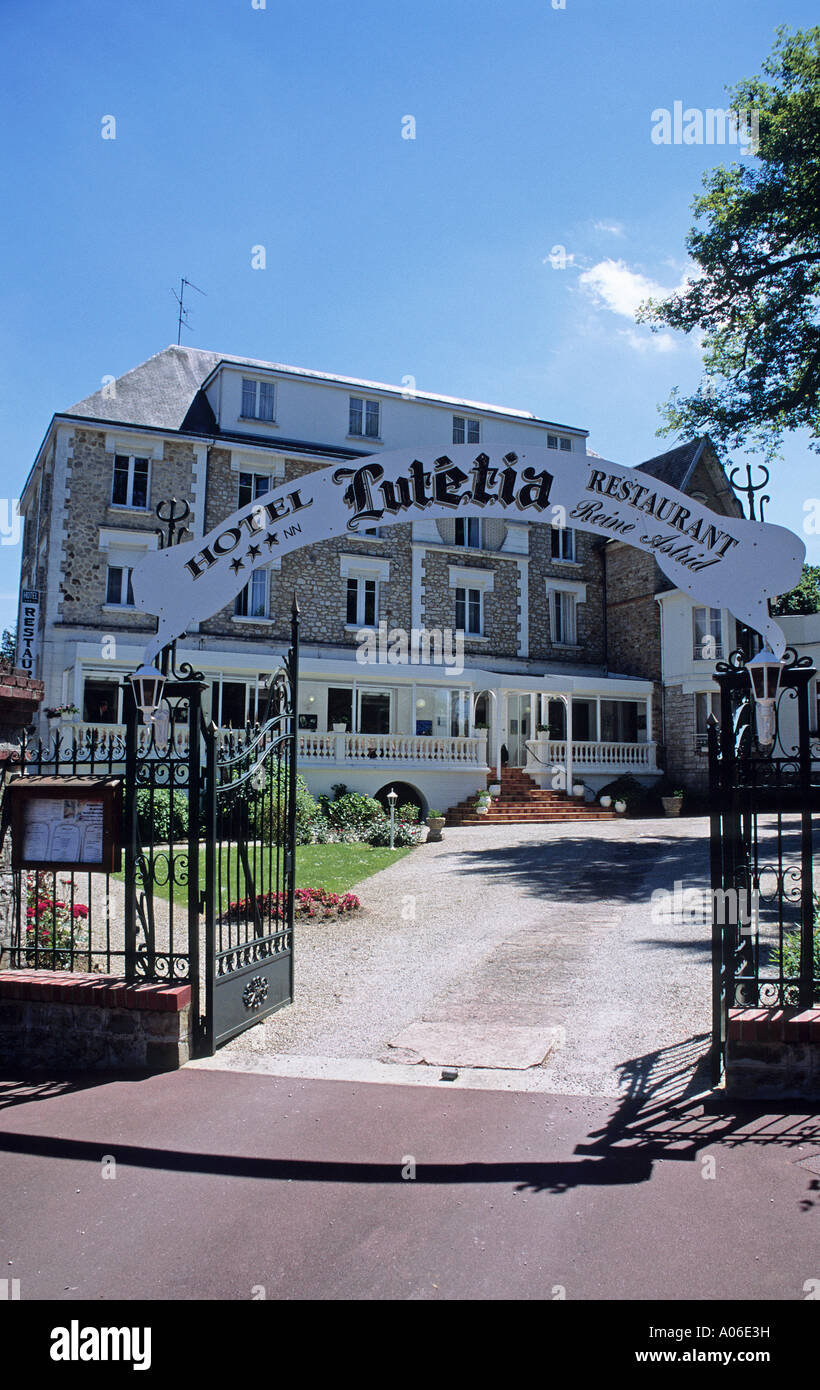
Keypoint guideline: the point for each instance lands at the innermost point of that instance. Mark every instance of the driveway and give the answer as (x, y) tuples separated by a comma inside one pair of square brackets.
[(525, 956)]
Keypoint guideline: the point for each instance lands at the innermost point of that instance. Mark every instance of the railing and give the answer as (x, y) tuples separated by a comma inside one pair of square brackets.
[(316, 748), (393, 748), (599, 756), (108, 740)]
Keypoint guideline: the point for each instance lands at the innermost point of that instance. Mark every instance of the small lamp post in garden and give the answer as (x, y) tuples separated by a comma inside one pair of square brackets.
[(392, 797)]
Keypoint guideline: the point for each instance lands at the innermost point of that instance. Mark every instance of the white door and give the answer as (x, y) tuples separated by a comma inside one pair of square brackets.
[(519, 728)]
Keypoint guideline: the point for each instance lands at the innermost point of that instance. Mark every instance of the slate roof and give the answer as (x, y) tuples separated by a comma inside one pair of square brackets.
[(160, 392), (676, 466), (165, 392)]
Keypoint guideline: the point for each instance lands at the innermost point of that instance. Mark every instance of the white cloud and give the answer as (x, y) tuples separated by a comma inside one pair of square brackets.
[(613, 286), (610, 228), (649, 342)]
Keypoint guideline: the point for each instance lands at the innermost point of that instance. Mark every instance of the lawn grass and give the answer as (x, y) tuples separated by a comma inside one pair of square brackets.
[(336, 868)]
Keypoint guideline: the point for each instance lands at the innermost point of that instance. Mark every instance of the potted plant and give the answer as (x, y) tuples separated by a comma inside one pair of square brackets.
[(494, 789), (435, 824), (620, 807), (672, 804), (482, 803), (605, 801), (577, 789), (61, 712)]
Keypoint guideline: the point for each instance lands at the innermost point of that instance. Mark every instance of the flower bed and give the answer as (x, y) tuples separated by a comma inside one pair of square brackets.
[(54, 928), (307, 902)]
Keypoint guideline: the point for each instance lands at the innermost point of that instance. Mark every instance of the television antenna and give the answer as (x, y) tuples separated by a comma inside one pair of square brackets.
[(182, 321)]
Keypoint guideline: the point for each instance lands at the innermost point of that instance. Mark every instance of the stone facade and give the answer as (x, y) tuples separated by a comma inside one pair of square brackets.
[(686, 766)]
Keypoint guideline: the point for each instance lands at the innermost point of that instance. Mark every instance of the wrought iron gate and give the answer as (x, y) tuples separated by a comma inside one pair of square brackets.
[(765, 942), (250, 838)]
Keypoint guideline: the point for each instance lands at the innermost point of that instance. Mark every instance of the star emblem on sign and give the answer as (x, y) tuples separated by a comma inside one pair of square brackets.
[(237, 565), (253, 552), (271, 540)]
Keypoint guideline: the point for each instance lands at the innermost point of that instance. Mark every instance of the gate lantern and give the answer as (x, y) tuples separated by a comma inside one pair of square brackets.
[(764, 674), (147, 683)]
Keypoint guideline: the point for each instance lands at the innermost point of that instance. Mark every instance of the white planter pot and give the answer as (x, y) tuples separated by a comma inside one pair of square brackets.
[(495, 789), (340, 728), (606, 802), (578, 789), (483, 809), (620, 807)]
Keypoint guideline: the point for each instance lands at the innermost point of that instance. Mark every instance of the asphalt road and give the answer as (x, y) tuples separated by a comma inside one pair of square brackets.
[(229, 1182)]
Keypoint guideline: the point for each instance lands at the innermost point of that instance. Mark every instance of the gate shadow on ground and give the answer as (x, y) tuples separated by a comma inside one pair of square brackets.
[(665, 1112), (587, 867)]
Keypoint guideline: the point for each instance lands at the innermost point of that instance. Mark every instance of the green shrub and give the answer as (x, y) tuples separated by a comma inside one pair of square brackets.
[(154, 815), (788, 964), (261, 804), (409, 811), (352, 813)]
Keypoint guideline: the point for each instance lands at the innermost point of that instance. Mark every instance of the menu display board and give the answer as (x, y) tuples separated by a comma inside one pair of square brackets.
[(66, 823)]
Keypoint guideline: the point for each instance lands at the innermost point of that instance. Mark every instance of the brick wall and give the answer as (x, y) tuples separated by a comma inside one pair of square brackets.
[(53, 1020)]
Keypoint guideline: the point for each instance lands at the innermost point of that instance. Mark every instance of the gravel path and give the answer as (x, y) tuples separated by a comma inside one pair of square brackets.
[(517, 927)]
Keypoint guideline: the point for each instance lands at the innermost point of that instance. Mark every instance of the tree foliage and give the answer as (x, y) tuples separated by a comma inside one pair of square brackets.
[(803, 598), (756, 297)]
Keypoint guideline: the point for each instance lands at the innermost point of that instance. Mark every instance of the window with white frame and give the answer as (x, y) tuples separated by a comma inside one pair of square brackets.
[(559, 441), (706, 702), (469, 612), (563, 617), (118, 590), (362, 601), (130, 484), (258, 399), (251, 486), (562, 541), (468, 531), (364, 417), (707, 634), (465, 430), (252, 601)]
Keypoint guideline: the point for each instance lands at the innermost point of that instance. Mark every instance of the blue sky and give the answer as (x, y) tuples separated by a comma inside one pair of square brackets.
[(385, 257)]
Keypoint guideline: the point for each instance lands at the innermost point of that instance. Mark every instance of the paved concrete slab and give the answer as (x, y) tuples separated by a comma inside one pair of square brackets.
[(477, 1044)]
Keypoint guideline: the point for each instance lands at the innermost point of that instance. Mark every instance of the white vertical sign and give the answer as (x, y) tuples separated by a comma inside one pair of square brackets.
[(28, 631)]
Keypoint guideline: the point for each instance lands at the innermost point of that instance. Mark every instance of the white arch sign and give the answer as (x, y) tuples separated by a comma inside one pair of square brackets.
[(722, 561)]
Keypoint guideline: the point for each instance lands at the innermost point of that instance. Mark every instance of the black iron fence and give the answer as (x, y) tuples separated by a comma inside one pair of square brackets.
[(66, 920), (204, 895), (764, 802)]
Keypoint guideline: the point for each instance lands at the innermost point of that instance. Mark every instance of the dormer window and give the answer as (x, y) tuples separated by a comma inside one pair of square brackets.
[(559, 441), (258, 398), (465, 431), (364, 417)]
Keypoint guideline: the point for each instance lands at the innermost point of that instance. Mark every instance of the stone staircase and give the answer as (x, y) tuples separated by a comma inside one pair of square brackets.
[(522, 802)]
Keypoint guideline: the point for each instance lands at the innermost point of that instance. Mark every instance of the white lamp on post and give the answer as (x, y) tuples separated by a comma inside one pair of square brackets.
[(392, 797), (764, 673)]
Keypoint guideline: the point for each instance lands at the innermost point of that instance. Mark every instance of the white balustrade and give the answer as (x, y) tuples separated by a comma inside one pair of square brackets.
[(600, 755), (392, 748)]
